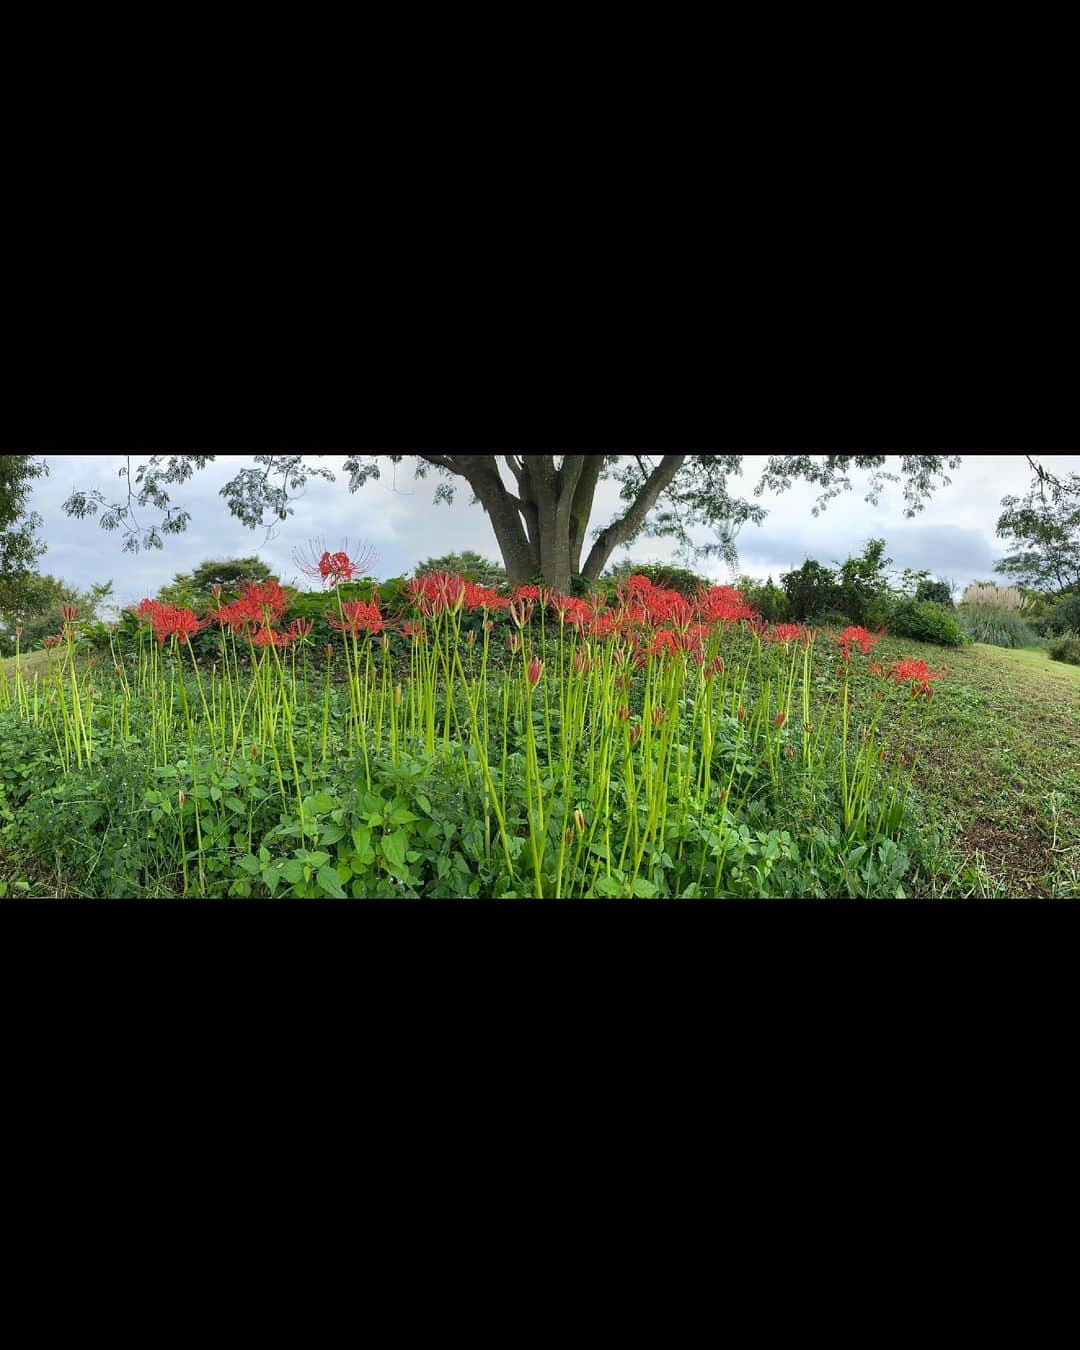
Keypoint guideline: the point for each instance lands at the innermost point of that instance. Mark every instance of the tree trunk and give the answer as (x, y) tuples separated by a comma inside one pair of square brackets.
[(542, 530)]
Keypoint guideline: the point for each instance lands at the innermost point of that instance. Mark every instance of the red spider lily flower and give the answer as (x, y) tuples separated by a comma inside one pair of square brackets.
[(579, 820), (437, 592), (779, 719), (299, 629), (581, 662), (715, 667), (215, 590), (513, 641), (527, 593), (786, 632), (658, 715), (170, 621), (638, 584), (18, 630), (69, 612), (357, 617), (635, 733), (484, 597), (488, 625), (723, 604), (875, 668), (521, 610), (266, 637), (412, 629), (266, 598), (386, 642), (919, 675), (534, 672), (336, 566), (52, 641), (470, 637), (860, 637), (623, 714)]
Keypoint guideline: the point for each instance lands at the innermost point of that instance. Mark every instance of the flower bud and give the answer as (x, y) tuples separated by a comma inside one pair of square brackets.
[(329, 651), (470, 637), (623, 714), (790, 752), (635, 733), (534, 671), (180, 797), (807, 726), (579, 820), (658, 715), (254, 752), (488, 625), (779, 719), (741, 714)]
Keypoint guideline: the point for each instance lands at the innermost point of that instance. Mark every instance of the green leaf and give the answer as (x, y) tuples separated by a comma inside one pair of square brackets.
[(394, 846), (250, 864), (644, 888), (330, 882), (361, 837), (293, 871), (235, 804), (423, 802), (401, 816), (331, 834)]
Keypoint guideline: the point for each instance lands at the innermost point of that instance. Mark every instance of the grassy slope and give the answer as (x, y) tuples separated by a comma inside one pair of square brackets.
[(998, 771)]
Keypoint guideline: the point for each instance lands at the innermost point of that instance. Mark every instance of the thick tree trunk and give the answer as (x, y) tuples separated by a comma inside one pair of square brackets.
[(542, 530)]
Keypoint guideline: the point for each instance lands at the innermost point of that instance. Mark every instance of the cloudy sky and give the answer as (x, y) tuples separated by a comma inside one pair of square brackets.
[(953, 537)]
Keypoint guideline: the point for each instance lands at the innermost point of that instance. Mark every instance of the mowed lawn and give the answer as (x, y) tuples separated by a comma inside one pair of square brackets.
[(997, 771)]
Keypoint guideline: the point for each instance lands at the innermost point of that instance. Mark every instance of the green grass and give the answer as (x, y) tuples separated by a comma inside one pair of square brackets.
[(997, 772)]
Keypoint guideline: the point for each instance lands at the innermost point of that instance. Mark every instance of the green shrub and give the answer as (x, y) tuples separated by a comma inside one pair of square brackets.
[(925, 621), (811, 590), (998, 625), (665, 575), (938, 591), (1066, 648), (832, 618), (768, 599), (1063, 616)]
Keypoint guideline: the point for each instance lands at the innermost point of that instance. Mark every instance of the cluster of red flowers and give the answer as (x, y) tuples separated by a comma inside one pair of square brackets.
[(917, 673), (859, 637), (357, 617), (789, 632)]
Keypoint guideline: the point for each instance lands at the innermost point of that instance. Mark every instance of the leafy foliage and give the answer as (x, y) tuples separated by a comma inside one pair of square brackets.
[(1044, 530), (925, 621)]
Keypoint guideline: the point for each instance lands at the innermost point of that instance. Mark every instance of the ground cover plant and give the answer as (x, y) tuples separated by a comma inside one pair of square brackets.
[(464, 741)]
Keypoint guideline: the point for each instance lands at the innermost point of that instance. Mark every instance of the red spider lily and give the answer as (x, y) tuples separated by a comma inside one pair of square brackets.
[(639, 585), (723, 604), (52, 641), (787, 632), (623, 714), (513, 641), (581, 662), (635, 733), (918, 673), (357, 617), (483, 597), (521, 610), (170, 621), (779, 719), (534, 671), (527, 593), (715, 667), (860, 637), (658, 715), (300, 629), (266, 598), (470, 637), (488, 625), (568, 606), (69, 612), (266, 637), (336, 567), (437, 592), (145, 610), (412, 629)]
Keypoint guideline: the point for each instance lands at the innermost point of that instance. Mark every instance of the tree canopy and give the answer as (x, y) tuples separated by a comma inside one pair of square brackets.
[(1043, 528), (540, 505), (20, 546)]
